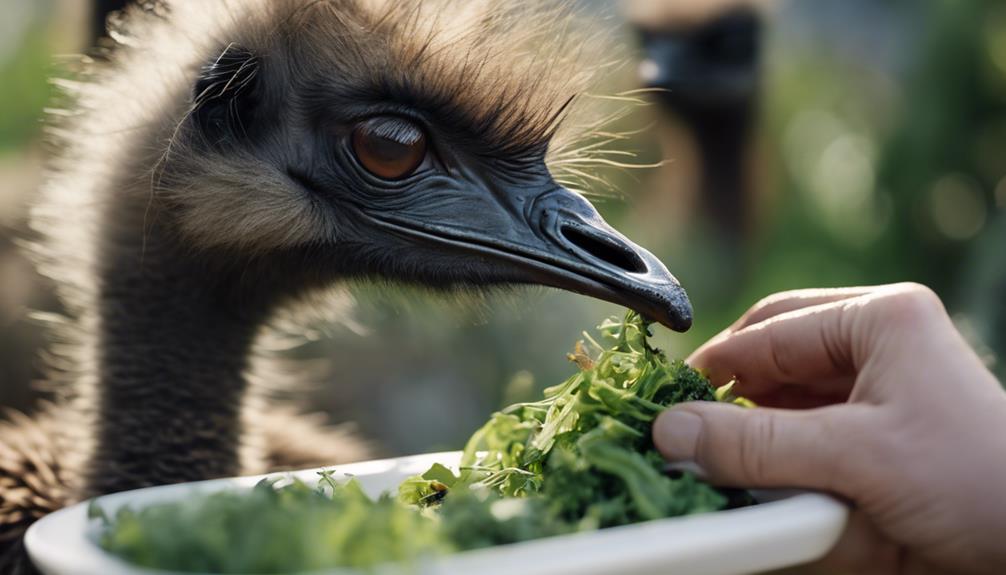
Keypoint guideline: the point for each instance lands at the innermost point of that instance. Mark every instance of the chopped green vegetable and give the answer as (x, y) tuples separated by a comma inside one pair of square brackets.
[(579, 459), (273, 530)]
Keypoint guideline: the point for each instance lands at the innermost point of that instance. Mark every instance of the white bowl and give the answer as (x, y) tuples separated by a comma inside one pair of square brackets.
[(786, 528)]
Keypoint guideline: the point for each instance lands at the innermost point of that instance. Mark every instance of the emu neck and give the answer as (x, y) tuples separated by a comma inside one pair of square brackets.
[(172, 357)]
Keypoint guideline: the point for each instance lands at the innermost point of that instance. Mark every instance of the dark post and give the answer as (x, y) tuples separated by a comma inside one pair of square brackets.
[(709, 76)]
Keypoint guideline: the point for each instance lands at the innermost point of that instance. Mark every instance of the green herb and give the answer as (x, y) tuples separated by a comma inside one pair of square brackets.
[(579, 459), (582, 457), (273, 530)]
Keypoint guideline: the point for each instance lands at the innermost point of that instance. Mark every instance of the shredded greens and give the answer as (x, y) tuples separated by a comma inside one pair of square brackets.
[(271, 529), (579, 459)]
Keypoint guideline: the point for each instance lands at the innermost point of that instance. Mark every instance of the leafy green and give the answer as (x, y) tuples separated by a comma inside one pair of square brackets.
[(579, 459), (585, 448), (272, 530)]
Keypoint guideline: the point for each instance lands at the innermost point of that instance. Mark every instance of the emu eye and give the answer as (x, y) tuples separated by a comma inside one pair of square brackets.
[(389, 147)]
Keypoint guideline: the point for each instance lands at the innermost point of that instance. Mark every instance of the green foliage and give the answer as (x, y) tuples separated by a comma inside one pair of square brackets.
[(586, 448), (272, 530), (472, 519), (579, 459)]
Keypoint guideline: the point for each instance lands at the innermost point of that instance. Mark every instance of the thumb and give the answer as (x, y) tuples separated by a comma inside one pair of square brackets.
[(760, 447)]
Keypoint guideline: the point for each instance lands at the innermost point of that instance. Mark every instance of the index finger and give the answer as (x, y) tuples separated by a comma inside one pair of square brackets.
[(782, 302), (801, 346)]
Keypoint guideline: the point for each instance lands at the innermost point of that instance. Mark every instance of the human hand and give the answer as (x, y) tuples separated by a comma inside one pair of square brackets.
[(869, 393)]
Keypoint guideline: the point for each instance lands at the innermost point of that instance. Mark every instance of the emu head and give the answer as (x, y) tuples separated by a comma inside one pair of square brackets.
[(399, 140)]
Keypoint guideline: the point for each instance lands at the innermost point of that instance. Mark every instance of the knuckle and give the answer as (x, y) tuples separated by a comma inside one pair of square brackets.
[(919, 292), (846, 454), (907, 303), (758, 434), (781, 354)]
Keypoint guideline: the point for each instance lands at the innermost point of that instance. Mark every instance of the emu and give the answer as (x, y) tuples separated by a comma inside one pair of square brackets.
[(228, 159)]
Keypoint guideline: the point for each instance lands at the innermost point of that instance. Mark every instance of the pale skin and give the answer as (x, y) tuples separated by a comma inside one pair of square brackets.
[(871, 394)]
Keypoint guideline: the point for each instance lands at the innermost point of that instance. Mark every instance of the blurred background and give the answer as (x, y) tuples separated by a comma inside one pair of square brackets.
[(806, 144)]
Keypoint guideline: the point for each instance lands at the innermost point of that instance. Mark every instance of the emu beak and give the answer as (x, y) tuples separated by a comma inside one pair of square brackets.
[(549, 236), (578, 251)]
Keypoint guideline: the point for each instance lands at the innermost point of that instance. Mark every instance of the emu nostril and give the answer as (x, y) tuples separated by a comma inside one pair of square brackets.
[(605, 248)]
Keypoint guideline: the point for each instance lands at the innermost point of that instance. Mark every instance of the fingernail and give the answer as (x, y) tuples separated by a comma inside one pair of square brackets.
[(676, 434), (687, 467)]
